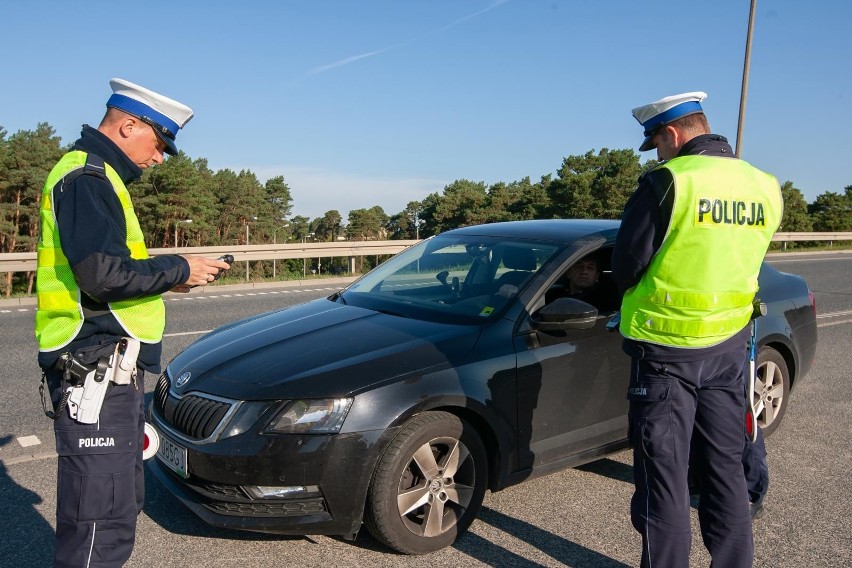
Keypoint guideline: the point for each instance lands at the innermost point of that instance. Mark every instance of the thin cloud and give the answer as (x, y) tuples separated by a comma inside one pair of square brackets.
[(362, 56), (464, 19), (348, 60)]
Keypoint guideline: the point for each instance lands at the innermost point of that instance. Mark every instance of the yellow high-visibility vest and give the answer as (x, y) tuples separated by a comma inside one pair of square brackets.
[(59, 316), (699, 286)]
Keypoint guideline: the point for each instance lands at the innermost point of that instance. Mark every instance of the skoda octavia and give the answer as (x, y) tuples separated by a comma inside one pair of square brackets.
[(460, 365)]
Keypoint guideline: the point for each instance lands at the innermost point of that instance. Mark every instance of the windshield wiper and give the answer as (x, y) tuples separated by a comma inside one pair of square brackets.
[(389, 312)]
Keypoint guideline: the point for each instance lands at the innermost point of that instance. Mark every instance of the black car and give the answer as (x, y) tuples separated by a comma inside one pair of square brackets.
[(459, 365)]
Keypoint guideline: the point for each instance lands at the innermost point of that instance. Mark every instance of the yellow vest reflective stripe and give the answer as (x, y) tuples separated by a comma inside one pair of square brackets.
[(689, 299), (59, 316)]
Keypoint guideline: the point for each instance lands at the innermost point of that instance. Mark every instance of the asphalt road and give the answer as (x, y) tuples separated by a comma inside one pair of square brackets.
[(576, 518)]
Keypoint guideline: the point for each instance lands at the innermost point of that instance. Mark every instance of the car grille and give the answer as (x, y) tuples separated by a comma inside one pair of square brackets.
[(281, 509), (194, 416), (228, 491)]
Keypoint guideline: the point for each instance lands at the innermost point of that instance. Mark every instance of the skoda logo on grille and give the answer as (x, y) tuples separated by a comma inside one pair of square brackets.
[(183, 379)]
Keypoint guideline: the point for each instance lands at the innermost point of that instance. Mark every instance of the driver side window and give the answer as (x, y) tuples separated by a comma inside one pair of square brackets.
[(588, 279)]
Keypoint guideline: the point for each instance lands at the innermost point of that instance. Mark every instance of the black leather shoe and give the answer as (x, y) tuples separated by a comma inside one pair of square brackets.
[(756, 510)]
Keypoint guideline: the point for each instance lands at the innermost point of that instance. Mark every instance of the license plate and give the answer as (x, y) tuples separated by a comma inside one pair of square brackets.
[(173, 456)]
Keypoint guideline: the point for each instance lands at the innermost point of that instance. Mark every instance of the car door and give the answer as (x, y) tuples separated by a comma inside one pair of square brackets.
[(571, 389)]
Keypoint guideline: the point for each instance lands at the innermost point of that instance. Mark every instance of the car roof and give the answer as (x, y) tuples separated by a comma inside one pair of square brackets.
[(558, 230)]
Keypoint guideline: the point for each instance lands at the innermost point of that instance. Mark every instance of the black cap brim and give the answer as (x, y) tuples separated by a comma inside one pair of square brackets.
[(171, 148), (647, 144)]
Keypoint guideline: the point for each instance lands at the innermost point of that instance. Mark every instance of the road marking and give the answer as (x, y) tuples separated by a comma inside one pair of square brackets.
[(773, 261), (178, 334), (27, 441), (234, 295), (834, 315), (215, 296), (238, 295), (28, 459)]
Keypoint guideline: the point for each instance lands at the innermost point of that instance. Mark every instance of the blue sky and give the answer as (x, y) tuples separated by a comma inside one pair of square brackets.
[(380, 102)]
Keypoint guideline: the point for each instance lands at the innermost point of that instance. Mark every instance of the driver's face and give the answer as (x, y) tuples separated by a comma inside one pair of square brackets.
[(583, 275)]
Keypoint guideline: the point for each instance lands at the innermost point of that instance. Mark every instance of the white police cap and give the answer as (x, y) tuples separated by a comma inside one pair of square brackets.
[(665, 111), (166, 116)]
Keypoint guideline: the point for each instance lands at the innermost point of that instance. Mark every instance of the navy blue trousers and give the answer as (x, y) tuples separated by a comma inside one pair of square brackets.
[(100, 479), (674, 406), (755, 468)]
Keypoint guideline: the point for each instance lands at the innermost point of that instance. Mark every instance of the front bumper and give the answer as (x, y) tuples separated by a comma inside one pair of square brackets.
[(339, 465)]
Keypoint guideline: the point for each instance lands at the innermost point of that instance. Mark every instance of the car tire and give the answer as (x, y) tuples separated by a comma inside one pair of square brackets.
[(771, 389), (429, 484)]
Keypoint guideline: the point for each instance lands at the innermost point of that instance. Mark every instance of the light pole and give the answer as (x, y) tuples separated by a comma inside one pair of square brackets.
[(187, 221), (247, 243), (274, 241), (738, 149), (304, 259)]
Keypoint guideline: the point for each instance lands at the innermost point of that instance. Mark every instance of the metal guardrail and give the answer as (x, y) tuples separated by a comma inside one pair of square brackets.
[(26, 261), (785, 237)]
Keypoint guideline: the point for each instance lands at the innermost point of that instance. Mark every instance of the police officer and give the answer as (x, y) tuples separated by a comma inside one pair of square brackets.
[(686, 258), (96, 285)]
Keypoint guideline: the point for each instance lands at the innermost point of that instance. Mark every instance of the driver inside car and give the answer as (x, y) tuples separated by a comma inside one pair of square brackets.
[(586, 281)]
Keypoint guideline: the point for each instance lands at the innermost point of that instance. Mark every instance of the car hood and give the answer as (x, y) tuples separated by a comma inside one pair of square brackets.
[(317, 349)]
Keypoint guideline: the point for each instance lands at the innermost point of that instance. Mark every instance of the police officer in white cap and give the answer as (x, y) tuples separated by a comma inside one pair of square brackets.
[(96, 285), (687, 256)]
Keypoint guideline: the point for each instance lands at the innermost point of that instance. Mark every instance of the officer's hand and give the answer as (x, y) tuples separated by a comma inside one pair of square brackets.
[(203, 270)]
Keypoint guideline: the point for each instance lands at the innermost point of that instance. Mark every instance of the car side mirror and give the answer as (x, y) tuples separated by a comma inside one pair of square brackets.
[(564, 314)]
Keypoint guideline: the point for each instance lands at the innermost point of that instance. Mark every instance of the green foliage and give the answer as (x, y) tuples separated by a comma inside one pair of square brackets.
[(278, 195), (176, 200), (594, 186), (795, 217), (463, 203), (367, 224), (428, 208), (328, 227), (526, 200), (26, 159), (300, 226), (406, 224), (832, 211)]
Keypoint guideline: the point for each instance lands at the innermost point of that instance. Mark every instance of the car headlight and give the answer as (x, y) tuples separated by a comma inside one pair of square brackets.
[(245, 417), (320, 416)]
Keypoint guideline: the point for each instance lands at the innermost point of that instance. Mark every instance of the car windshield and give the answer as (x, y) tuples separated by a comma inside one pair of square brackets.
[(456, 279)]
